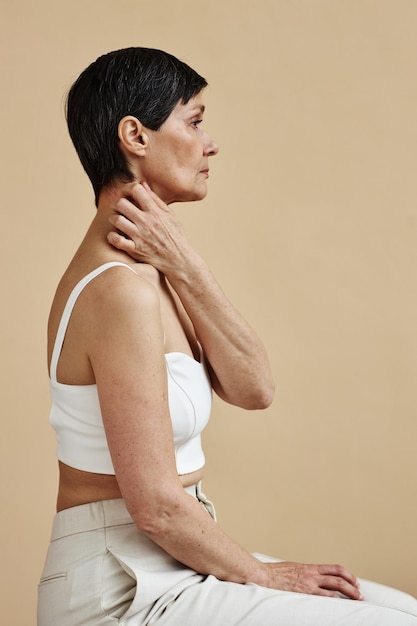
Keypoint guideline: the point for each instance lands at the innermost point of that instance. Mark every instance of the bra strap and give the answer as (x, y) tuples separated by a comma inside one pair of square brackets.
[(63, 324)]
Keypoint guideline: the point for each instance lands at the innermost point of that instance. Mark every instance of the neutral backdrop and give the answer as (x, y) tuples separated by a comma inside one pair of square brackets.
[(310, 226)]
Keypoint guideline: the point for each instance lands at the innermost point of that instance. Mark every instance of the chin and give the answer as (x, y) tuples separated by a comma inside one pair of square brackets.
[(190, 196), (200, 196)]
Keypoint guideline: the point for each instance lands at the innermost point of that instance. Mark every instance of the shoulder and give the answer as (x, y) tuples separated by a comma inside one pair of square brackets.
[(119, 300), (122, 316), (121, 285)]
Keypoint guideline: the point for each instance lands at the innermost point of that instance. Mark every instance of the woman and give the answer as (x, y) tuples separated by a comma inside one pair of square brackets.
[(139, 334)]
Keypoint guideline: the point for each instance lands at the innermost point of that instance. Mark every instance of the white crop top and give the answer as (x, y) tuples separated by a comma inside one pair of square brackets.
[(76, 415)]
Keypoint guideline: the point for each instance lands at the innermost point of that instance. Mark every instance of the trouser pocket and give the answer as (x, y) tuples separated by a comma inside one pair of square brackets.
[(52, 589), (118, 587)]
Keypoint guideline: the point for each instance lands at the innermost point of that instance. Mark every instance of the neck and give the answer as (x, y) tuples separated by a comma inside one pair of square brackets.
[(108, 196), (95, 244)]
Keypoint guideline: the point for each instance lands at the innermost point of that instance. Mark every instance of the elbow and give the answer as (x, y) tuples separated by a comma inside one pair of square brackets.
[(153, 525), (258, 394), (259, 397), (154, 518), (261, 392), (267, 397), (263, 398)]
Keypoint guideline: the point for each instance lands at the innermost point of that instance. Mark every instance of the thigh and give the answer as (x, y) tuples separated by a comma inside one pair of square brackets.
[(381, 595), (374, 593), (229, 604)]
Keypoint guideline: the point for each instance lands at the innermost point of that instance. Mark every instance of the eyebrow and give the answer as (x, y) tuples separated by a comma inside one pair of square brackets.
[(199, 109)]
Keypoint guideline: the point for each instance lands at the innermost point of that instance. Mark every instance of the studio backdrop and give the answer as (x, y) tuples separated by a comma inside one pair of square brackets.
[(310, 226)]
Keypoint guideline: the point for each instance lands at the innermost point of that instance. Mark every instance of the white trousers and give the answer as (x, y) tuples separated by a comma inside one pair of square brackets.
[(101, 571)]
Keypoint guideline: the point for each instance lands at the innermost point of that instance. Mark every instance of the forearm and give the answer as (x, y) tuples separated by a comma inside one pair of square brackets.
[(234, 351), (237, 359), (192, 537), (188, 533)]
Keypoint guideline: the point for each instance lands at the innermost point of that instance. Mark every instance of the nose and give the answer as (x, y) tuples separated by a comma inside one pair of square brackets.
[(210, 147)]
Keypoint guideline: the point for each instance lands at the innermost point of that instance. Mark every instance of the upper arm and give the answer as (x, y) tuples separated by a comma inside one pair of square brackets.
[(127, 356)]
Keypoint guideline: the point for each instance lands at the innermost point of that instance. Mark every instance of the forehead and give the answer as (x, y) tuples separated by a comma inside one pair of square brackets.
[(194, 106)]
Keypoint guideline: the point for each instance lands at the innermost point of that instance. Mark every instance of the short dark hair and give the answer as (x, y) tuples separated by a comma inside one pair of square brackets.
[(142, 82)]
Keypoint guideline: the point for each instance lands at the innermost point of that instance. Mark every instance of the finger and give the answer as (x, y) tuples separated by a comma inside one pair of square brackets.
[(140, 194), (134, 201), (326, 593), (338, 570), (335, 583), (121, 243), (340, 579), (132, 208), (161, 204), (143, 198), (124, 225)]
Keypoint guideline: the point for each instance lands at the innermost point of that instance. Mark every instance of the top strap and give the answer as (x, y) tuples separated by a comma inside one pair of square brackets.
[(63, 324)]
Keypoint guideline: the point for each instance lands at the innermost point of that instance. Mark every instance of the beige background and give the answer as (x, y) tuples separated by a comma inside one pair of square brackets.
[(310, 226)]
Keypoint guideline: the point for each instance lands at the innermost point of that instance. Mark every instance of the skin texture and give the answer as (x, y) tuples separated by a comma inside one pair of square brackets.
[(175, 163), (122, 324)]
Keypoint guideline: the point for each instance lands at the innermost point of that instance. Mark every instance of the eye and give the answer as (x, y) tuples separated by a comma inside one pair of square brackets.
[(196, 123)]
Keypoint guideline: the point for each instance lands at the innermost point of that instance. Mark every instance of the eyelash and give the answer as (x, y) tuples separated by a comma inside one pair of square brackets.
[(195, 123)]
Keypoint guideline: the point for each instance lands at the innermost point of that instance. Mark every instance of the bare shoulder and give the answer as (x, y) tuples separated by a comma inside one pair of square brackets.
[(121, 294), (123, 334), (117, 297)]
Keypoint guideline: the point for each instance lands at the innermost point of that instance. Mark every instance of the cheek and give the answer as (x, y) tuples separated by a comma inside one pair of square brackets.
[(180, 164)]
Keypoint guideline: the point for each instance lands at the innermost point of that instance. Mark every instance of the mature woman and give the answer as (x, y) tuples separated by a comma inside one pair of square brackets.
[(139, 334)]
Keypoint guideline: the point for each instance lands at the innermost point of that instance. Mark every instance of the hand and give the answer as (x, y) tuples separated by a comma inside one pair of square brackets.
[(321, 580), (148, 229)]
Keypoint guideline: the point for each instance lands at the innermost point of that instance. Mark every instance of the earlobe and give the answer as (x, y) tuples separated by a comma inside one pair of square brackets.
[(132, 135)]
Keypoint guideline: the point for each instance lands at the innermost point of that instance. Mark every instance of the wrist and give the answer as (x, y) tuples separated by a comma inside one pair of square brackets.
[(262, 575), (186, 269)]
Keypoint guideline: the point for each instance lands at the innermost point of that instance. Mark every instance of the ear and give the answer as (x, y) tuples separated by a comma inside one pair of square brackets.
[(132, 135)]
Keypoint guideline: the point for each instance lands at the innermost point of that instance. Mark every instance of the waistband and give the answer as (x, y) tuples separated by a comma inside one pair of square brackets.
[(106, 513)]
